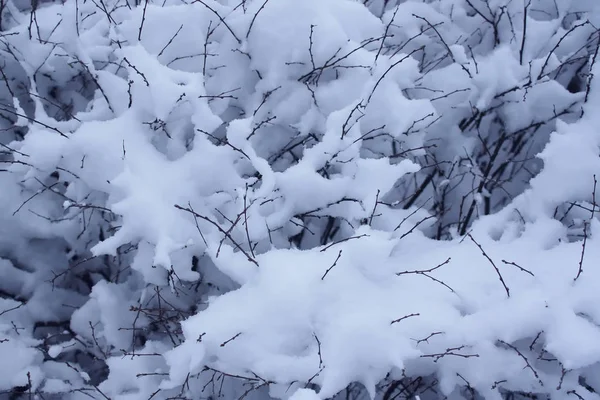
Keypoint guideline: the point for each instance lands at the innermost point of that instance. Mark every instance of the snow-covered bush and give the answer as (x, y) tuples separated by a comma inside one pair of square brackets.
[(299, 199)]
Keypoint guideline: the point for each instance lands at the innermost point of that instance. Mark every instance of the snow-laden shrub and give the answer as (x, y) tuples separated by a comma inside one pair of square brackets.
[(299, 199)]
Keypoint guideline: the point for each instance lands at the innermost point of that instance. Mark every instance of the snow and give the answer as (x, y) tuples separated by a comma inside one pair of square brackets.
[(299, 199), (54, 351)]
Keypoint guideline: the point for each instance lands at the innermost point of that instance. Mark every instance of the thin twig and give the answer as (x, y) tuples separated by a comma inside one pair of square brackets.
[(333, 265), (493, 264)]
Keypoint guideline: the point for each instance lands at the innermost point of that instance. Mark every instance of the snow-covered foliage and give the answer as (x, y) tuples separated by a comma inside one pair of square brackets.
[(299, 199)]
